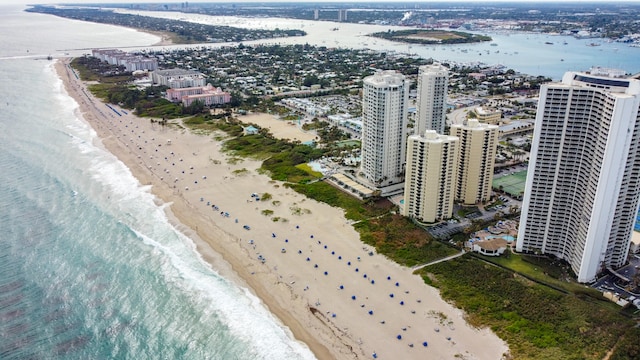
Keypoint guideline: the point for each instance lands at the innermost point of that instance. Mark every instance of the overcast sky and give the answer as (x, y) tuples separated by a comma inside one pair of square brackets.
[(24, 2)]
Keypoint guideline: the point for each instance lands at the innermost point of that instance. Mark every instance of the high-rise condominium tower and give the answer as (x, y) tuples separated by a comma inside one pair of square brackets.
[(430, 178), (432, 98), (478, 144), (384, 120), (583, 183)]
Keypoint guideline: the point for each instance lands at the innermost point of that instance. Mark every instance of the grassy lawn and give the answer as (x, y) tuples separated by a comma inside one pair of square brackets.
[(540, 270), (306, 168)]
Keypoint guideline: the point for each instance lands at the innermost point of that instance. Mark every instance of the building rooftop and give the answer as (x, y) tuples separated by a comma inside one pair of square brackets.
[(492, 244)]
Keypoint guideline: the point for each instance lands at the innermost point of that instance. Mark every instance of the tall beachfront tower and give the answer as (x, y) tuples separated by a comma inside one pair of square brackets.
[(478, 145), (583, 183), (429, 187), (432, 98), (384, 120)]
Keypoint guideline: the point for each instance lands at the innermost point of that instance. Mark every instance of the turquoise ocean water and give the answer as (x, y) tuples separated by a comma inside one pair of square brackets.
[(90, 267)]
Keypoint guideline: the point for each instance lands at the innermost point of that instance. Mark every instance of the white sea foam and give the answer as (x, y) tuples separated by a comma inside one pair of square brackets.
[(244, 314)]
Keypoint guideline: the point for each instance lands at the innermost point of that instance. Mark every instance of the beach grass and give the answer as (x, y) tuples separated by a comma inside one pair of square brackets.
[(537, 321), (354, 208), (398, 238), (306, 168)]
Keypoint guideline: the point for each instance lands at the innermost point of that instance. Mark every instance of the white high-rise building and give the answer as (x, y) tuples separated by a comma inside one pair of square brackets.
[(478, 145), (429, 188), (342, 15), (384, 120), (583, 183), (432, 98)]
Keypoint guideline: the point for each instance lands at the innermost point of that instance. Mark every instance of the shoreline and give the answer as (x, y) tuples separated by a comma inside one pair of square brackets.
[(337, 311)]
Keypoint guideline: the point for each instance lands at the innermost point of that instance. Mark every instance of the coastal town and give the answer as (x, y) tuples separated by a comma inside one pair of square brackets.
[(443, 168), (583, 20)]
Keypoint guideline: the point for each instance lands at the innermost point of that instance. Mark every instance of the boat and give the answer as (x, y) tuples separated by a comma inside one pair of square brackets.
[(548, 42)]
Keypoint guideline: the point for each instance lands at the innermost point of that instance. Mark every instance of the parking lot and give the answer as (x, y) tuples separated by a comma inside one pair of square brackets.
[(446, 229), (615, 285)]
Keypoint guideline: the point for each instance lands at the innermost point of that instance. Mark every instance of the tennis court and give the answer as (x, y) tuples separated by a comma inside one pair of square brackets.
[(512, 184)]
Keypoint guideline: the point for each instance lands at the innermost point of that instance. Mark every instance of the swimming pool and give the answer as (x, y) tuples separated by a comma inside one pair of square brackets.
[(509, 238)]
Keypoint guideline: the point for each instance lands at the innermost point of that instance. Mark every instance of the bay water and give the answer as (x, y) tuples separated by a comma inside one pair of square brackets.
[(534, 54)]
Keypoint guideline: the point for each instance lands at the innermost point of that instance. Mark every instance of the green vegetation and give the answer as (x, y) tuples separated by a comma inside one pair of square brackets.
[(93, 69), (296, 210), (267, 212), (466, 210), (314, 124), (628, 347), (281, 157), (306, 168), (240, 172), (420, 36), (186, 32), (398, 238), (537, 322), (392, 235), (114, 87), (354, 208), (554, 274)]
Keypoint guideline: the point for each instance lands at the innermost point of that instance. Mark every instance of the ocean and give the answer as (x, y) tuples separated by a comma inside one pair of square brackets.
[(90, 266)]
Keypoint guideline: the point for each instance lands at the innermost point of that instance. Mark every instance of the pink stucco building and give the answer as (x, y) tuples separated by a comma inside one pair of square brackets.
[(208, 95)]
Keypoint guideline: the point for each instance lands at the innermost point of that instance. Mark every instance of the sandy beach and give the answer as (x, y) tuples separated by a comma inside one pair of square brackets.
[(300, 257), (280, 129)]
